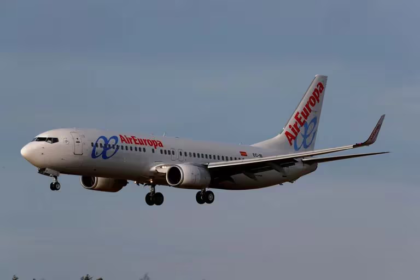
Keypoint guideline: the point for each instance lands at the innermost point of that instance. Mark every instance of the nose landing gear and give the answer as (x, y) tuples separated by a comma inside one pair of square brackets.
[(55, 186)]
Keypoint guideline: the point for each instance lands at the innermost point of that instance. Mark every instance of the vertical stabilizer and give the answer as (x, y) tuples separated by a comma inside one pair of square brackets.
[(299, 134)]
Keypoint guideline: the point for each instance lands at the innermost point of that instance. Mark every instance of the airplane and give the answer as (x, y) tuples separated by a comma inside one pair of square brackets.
[(107, 161)]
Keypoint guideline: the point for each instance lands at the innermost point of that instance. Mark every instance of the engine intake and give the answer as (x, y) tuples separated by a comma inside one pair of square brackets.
[(188, 176), (102, 184)]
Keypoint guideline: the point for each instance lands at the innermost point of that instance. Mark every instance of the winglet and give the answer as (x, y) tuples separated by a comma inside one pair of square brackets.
[(373, 136)]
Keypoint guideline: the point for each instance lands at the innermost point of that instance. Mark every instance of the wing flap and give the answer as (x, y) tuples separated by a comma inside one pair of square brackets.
[(328, 159)]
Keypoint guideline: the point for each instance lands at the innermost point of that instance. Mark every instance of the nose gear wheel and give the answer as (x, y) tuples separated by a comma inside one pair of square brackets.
[(55, 186)]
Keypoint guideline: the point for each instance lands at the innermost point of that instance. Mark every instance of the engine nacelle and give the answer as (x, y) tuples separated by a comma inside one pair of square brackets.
[(102, 184), (188, 176)]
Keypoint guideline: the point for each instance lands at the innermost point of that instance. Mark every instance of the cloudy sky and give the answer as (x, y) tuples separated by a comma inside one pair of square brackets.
[(227, 71)]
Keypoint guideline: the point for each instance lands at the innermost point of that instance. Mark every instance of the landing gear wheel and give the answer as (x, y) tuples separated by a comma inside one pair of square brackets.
[(158, 199), (199, 198), (55, 186), (150, 200), (209, 197)]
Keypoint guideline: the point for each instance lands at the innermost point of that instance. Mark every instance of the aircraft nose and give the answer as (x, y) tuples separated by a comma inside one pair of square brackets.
[(25, 152), (28, 152), (34, 154)]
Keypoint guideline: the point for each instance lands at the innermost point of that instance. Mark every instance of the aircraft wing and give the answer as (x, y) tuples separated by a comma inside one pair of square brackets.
[(248, 166)]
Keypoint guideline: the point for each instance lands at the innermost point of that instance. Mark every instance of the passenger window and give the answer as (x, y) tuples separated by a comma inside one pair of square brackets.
[(135, 149), (173, 152), (223, 158), (101, 145), (207, 156), (161, 151), (126, 148), (166, 152), (144, 149), (118, 146), (190, 154), (218, 157), (131, 148), (185, 153), (194, 154), (92, 144), (198, 155), (153, 150), (231, 158), (180, 153)]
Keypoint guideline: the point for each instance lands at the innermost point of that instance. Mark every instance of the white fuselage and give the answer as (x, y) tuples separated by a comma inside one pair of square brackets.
[(143, 158)]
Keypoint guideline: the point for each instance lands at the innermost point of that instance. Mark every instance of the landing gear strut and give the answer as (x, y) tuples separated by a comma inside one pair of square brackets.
[(204, 196), (55, 186), (154, 198)]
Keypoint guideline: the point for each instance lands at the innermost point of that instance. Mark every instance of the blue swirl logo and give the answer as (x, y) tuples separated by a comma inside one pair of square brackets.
[(104, 147), (308, 134)]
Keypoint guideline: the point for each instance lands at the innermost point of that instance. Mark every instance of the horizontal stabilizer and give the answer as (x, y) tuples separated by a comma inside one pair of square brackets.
[(328, 159)]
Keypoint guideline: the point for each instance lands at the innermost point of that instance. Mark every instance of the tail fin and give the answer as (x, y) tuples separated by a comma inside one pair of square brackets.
[(299, 134)]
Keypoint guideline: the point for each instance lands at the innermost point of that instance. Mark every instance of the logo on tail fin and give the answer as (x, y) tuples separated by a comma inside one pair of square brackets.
[(308, 135), (302, 116)]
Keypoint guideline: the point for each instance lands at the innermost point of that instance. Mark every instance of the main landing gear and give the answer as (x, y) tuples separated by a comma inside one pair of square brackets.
[(204, 196), (55, 186), (154, 198)]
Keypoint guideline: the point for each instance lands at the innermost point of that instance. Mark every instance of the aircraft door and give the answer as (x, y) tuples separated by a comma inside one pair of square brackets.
[(78, 143), (174, 154), (181, 155)]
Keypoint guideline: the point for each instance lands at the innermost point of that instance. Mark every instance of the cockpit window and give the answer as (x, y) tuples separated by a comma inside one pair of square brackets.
[(50, 140)]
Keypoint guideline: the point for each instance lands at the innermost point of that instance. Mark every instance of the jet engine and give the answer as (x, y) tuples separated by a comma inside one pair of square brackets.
[(187, 176), (102, 184)]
